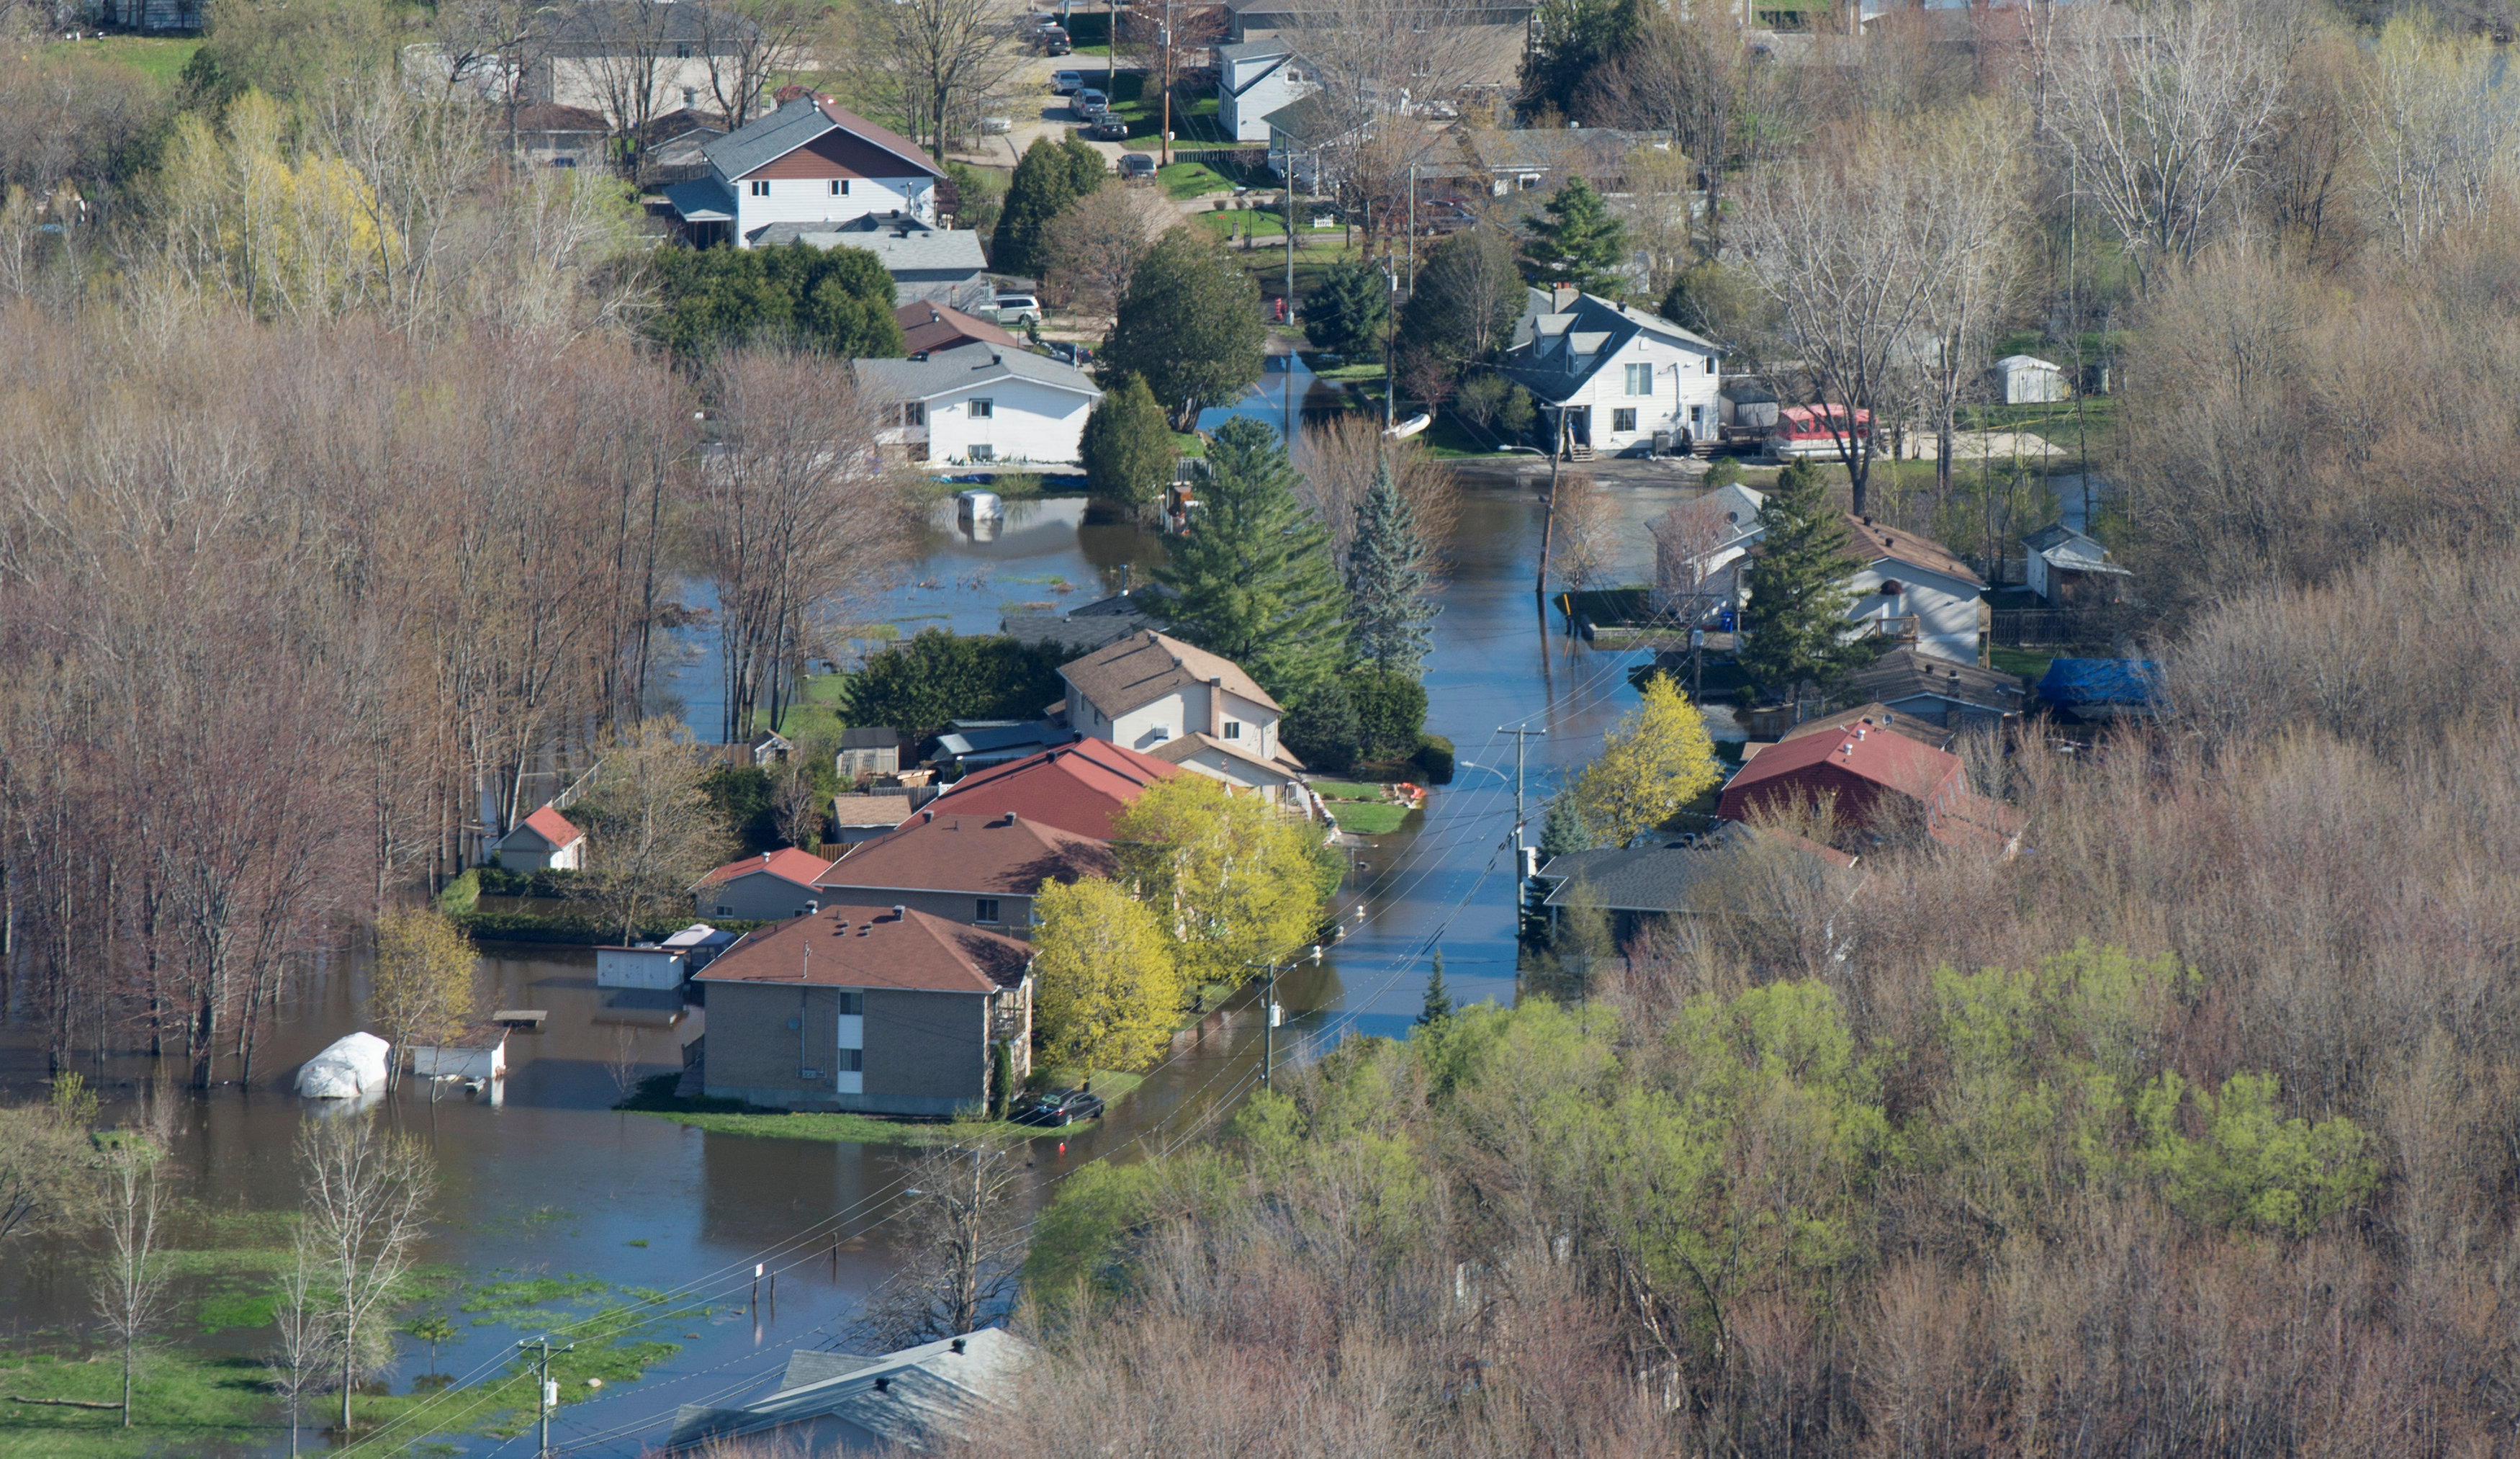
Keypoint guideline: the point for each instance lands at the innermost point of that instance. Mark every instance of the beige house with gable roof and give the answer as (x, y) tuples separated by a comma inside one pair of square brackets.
[(1184, 707)]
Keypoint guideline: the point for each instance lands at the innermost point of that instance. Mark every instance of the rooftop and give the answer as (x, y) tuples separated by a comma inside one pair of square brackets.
[(787, 864), (1558, 348), (1906, 673), (1140, 670), (942, 851), (1077, 787), (968, 366), (1877, 543), (766, 139), (854, 946), (872, 808), (1879, 716), (551, 826), (1705, 878), (1180, 748), (928, 326), (916, 1400), (919, 250)]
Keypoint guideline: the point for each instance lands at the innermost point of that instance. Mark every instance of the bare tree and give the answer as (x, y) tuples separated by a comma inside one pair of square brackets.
[(2160, 125), (1169, 38), (626, 49), (939, 61), (622, 1062), (1691, 73), (962, 1197), (1971, 166), (302, 1353), (797, 805), (1588, 530), (1339, 458), (751, 42), (130, 1288), (651, 828), (1093, 244), (2436, 128), (367, 1199)]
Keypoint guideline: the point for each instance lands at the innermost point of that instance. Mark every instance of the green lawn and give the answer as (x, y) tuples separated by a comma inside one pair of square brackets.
[(656, 1096), (1184, 180), (1346, 790), (160, 60), (1374, 818), (2027, 662), (1189, 444), (1250, 223)]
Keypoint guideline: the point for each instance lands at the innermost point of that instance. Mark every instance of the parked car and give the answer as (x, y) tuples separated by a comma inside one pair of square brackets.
[(1015, 308), (1090, 103), (1110, 129), (1055, 42), (1067, 82), (1058, 1107), (1137, 165), (996, 126)]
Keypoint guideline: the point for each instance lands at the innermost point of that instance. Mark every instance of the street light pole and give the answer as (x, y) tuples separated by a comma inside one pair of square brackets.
[(1520, 736)]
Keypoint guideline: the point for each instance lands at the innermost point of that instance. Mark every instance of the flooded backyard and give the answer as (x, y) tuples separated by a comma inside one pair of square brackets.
[(553, 1182)]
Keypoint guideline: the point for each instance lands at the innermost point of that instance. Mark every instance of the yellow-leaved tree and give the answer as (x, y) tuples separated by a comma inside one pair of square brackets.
[(1657, 760), (1104, 980), (423, 991), (1234, 878)]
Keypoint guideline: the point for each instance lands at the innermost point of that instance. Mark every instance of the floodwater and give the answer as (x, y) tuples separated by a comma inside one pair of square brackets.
[(551, 1181)]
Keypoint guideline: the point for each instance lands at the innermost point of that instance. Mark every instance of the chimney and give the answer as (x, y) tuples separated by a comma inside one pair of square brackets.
[(1562, 298), (786, 94), (1012, 818), (925, 816), (1216, 705), (899, 911)]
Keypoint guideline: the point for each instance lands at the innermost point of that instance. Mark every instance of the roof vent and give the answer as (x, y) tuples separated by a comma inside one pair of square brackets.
[(925, 816), (1011, 818), (996, 358), (883, 1385), (899, 911), (957, 1344)]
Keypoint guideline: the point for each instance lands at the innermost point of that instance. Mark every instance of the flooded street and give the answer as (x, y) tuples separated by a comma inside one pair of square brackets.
[(554, 1182)]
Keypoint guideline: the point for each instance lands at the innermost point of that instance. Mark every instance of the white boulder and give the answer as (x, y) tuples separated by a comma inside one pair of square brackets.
[(352, 1066)]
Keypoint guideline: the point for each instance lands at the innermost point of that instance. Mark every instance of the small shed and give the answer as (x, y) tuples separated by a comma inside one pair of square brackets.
[(479, 1052), (869, 751), (2027, 380), (661, 965), (1747, 406), (545, 840), (864, 817), (2066, 567)]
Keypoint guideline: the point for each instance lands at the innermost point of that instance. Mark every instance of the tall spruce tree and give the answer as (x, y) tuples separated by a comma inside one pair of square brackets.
[(1439, 999), (1254, 576), (1564, 831), (1346, 315), (1794, 626), (1386, 616), (1049, 176), (1580, 243), (1126, 446)]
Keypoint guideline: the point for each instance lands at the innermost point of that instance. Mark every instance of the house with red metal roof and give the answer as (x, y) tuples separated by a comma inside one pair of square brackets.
[(1079, 788), (545, 840), (874, 1008), (767, 887), (1870, 779), (979, 870)]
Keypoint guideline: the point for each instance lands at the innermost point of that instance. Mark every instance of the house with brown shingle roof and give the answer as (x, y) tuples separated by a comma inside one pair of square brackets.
[(1913, 590), (1186, 707), (767, 887), (1079, 788), (873, 1008), (982, 871), (543, 840), (928, 326)]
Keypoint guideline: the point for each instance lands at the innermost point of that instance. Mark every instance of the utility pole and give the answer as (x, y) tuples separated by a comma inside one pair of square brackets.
[(548, 1394), (1520, 736), (1291, 239), (1269, 1016)]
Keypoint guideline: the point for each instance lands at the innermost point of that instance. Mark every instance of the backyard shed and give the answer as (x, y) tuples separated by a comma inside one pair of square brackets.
[(479, 1052), (661, 965), (2027, 380)]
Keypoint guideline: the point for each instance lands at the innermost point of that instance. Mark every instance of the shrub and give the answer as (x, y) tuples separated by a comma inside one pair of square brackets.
[(1436, 758), (1390, 710)]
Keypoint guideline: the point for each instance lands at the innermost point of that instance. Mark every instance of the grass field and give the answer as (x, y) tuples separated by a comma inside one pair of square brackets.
[(160, 60), (1184, 180), (2024, 662), (729, 1118), (1369, 818)]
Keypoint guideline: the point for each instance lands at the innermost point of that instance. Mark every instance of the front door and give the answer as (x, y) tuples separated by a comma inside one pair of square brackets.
[(1579, 426)]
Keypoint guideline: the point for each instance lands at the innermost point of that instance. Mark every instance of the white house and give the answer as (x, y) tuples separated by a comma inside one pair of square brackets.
[(1186, 707), (661, 965), (542, 841), (1255, 78), (1614, 377), (809, 162), (2027, 380), (1910, 589), (2064, 566), (1913, 590), (981, 402)]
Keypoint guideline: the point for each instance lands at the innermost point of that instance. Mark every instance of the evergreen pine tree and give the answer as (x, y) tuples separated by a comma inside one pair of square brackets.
[(1254, 576), (1386, 616), (1346, 315), (1046, 178), (1127, 446), (1564, 831), (1439, 1000), (1794, 626), (1325, 729), (1579, 242)]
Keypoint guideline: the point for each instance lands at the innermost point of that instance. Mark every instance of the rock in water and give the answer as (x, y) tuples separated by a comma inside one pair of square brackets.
[(350, 1067)]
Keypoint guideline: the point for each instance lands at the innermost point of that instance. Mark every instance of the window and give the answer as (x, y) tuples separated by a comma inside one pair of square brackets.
[(691, 96), (839, 186), (853, 1003), (988, 910), (1623, 420), (683, 51), (984, 453), (984, 410), (761, 187), (1234, 729), (725, 910), (852, 1061), (1641, 380), (1710, 364)]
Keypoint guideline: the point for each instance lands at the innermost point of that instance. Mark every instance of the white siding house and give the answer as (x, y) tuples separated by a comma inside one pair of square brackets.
[(1253, 80), (1613, 375), (981, 403), (1910, 589), (809, 162), (1184, 706)]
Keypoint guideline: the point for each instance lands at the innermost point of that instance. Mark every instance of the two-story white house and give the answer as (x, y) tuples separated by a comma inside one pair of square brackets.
[(809, 162), (980, 402), (1608, 378), (1186, 707), (1255, 78), (1908, 589)]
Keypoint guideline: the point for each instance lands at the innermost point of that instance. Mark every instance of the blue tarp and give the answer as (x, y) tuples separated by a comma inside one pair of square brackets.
[(2091, 683)]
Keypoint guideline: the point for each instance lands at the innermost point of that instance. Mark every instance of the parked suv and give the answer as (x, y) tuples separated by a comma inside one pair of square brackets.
[(1053, 41), (1110, 129), (1015, 308), (1067, 82), (1137, 165), (1090, 103), (1058, 1107)]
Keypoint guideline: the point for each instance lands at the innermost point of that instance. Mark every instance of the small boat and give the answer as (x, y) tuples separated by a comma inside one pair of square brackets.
[(1410, 427)]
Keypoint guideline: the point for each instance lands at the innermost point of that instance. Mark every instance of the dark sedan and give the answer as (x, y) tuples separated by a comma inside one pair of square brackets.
[(1060, 1107)]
